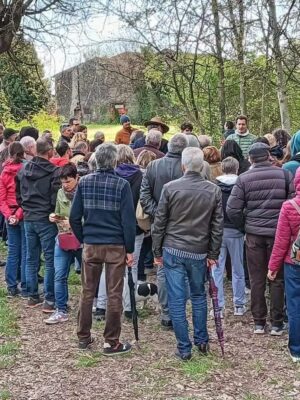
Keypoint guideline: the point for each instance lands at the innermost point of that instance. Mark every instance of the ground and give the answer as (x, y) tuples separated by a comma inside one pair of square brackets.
[(43, 362)]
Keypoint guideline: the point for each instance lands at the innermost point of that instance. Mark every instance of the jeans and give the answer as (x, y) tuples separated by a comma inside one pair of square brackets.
[(16, 257), (62, 262), (233, 242), (177, 270), (145, 256), (40, 235), (292, 292)]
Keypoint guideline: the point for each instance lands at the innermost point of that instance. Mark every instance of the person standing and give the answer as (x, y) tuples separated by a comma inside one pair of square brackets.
[(187, 236), (102, 217), (123, 136), (254, 206), (242, 135)]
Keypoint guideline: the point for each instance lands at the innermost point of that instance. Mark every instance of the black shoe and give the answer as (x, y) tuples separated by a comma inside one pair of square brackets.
[(183, 357), (85, 343), (167, 325), (78, 271), (203, 348), (2, 263), (34, 302), (109, 350), (48, 308), (40, 279), (99, 314), (128, 315), (14, 292)]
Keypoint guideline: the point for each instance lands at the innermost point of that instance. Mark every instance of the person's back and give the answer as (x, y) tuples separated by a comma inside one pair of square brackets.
[(294, 163)]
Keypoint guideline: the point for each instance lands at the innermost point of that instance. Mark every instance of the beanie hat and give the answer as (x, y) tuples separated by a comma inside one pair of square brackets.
[(8, 132), (259, 151), (123, 119)]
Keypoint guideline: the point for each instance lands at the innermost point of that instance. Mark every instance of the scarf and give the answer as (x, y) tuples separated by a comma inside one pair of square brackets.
[(70, 195), (242, 134)]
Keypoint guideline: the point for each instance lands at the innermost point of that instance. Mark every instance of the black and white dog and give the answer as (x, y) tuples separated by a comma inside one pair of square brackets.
[(146, 291)]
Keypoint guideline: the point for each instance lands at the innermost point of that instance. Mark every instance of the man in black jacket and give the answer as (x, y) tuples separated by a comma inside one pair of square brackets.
[(254, 206), (157, 174), (187, 236), (37, 186)]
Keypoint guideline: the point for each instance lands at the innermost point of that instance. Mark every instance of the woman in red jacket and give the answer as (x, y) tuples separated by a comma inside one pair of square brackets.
[(286, 233), (14, 221)]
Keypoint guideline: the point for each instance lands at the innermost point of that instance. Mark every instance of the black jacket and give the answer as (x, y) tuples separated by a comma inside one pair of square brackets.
[(37, 186), (189, 217), (256, 199), (226, 183)]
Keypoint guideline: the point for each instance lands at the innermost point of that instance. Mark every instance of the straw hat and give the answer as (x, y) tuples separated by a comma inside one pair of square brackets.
[(158, 121)]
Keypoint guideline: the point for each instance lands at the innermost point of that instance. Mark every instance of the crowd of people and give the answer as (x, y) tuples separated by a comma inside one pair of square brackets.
[(171, 209)]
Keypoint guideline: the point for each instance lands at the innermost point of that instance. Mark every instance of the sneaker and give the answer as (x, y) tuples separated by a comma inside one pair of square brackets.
[(222, 312), (56, 318), (109, 350), (48, 307), (203, 348), (167, 325), (239, 311), (34, 302), (2, 263), (85, 343), (184, 356), (247, 290), (99, 314), (278, 330), (295, 359), (259, 329), (13, 292)]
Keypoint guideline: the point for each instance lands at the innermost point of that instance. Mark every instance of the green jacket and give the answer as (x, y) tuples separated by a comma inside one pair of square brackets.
[(63, 205), (243, 141)]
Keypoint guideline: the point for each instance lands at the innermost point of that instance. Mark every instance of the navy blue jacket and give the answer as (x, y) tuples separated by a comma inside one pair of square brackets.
[(104, 201)]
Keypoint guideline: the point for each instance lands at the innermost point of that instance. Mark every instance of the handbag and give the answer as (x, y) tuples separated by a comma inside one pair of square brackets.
[(143, 219), (67, 241)]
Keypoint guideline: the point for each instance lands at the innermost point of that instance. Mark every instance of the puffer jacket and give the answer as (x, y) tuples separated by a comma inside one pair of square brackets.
[(8, 201), (226, 184), (256, 199), (189, 217), (287, 230)]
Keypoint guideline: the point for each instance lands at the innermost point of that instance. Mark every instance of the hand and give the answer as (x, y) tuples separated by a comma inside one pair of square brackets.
[(52, 217), (158, 261), (272, 275), (13, 220), (211, 263), (129, 259)]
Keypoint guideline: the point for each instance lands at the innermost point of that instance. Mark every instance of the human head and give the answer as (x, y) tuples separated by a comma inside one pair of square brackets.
[(295, 144), (231, 149), (94, 144), (186, 128), (204, 141), (81, 147), (157, 123), (69, 177), (83, 129), (125, 121), (229, 125), (211, 154), (29, 131), (259, 152), (144, 158), (177, 143), (44, 148), (271, 139), (29, 145), (47, 135), (192, 160), (262, 139), (282, 137), (241, 124), (106, 156), (99, 136), (125, 154), (9, 135), (153, 138), (16, 152), (137, 134), (193, 141), (67, 132), (63, 149), (74, 124), (230, 166)]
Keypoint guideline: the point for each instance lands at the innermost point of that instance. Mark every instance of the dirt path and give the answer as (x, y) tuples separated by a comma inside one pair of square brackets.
[(49, 366)]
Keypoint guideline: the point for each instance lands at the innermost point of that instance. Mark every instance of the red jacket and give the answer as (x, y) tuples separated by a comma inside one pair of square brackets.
[(8, 201), (287, 230), (59, 161)]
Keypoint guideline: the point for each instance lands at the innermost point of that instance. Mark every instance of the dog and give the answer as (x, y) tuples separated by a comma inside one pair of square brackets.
[(146, 291)]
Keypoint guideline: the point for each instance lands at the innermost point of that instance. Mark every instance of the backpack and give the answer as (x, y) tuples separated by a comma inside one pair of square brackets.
[(143, 220), (295, 250)]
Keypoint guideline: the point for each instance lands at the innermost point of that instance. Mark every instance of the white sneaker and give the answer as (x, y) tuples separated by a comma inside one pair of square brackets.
[(56, 318), (295, 359), (247, 290), (212, 315), (259, 329), (239, 311)]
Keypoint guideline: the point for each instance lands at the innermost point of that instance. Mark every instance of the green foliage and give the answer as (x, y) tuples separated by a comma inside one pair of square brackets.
[(88, 360), (41, 121), (4, 394)]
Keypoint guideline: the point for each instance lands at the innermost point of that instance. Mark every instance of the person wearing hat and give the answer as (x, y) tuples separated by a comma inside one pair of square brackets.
[(253, 207), (123, 136), (154, 123)]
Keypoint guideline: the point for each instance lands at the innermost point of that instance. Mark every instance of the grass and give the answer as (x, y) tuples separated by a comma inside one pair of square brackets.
[(250, 396), (199, 367), (4, 394), (88, 360), (8, 320)]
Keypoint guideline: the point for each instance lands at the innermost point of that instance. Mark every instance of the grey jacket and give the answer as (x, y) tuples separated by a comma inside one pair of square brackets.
[(256, 199), (189, 217)]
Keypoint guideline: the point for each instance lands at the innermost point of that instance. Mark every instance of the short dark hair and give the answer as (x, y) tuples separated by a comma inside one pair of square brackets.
[(71, 120), (82, 128), (262, 139), (62, 147), (94, 144), (229, 124), (43, 146), (242, 117), (29, 131), (186, 125), (68, 171)]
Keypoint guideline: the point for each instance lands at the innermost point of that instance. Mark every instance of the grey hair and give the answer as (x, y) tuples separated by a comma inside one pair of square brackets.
[(27, 142), (192, 159), (204, 141), (154, 137), (106, 156), (193, 141), (92, 163), (178, 143), (81, 146), (230, 166), (99, 135)]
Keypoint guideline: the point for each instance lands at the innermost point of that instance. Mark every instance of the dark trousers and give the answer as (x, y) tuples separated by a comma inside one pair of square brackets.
[(93, 257), (259, 249)]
